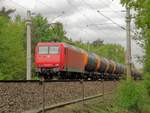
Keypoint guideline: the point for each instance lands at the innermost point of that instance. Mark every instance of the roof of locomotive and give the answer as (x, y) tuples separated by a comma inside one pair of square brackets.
[(49, 43), (59, 43)]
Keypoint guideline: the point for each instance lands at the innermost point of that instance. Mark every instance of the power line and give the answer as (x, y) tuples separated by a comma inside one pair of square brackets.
[(45, 4), (106, 17), (99, 28), (19, 5), (112, 20), (116, 11), (117, 14), (99, 24), (112, 23), (96, 25), (85, 17), (113, 9), (91, 25), (48, 6)]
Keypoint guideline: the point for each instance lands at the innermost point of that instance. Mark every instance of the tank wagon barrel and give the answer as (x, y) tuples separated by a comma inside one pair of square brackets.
[(103, 65), (92, 63)]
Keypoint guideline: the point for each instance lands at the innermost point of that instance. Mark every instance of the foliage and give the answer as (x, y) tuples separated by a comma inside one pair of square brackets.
[(35, 78), (130, 96), (42, 31), (111, 51), (57, 32), (12, 53), (98, 42), (142, 21), (147, 83)]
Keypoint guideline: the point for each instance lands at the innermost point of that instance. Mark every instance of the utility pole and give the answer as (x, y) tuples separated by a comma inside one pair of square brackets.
[(88, 44), (28, 57), (128, 52)]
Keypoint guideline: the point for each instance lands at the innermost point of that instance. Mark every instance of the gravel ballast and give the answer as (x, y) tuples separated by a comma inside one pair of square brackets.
[(16, 97)]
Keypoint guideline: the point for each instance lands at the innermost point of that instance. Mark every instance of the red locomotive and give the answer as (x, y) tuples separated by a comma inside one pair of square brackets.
[(61, 60)]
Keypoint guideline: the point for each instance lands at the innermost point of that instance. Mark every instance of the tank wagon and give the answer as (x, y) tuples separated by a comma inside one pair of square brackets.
[(64, 61)]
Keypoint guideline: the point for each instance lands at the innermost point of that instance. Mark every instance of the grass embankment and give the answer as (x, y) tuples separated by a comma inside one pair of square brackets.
[(132, 96), (111, 103), (90, 106)]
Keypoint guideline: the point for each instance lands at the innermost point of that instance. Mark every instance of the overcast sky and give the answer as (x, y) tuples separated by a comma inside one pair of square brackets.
[(81, 19)]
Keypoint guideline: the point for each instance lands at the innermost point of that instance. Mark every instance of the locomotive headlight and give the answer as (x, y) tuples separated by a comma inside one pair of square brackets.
[(40, 65), (56, 64)]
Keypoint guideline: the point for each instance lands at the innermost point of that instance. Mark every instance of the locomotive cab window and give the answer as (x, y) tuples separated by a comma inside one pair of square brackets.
[(54, 50), (43, 50)]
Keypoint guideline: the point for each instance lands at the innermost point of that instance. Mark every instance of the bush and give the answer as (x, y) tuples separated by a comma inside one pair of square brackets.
[(147, 82), (12, 52), (129, 96)]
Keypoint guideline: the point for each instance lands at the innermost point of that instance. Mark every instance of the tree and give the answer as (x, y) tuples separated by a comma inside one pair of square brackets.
[(12, 53), (142, 22), (110, 51), (6, 13), (98, 42), (57, 32), (42, 31)]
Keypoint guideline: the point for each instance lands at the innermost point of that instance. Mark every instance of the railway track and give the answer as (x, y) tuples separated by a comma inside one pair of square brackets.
[(24, 81)]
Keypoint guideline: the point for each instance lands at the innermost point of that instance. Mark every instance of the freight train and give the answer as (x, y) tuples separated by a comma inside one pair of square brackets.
[(64, 61)]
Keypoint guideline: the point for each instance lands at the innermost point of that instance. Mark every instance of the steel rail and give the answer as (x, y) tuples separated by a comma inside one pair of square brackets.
[(27, 81)]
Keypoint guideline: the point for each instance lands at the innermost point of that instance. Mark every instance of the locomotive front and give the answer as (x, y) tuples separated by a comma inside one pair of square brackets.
[(48, 58)]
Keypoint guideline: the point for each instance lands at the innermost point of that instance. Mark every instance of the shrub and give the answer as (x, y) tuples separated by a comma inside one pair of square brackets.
[(129, 96), (147, 82), (12, 52)]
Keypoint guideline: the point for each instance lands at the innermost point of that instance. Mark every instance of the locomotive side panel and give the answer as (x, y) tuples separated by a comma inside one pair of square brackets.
[(73, 60)]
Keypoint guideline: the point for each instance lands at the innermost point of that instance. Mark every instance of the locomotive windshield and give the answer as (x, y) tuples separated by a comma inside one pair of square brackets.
[(53, 50), (43, 50), (48, 50)]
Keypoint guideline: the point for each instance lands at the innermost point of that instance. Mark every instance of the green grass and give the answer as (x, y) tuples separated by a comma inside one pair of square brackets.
[(110, 105), (91, 106)]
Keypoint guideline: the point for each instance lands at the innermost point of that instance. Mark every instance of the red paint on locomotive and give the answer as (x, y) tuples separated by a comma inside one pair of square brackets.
[(49, 55)]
